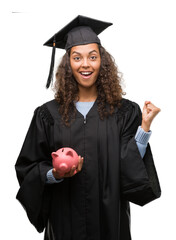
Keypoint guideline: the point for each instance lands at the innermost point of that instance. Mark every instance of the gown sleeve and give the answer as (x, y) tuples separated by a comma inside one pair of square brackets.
[(32, 165), (139, 180)]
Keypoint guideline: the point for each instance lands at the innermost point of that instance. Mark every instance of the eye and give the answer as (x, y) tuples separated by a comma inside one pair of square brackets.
[(93, 58), (76, 59)]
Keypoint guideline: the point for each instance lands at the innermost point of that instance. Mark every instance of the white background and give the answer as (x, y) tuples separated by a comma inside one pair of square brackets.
[(143, 42)]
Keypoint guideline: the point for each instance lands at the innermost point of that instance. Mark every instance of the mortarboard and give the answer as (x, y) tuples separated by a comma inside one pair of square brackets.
[(81, 30)]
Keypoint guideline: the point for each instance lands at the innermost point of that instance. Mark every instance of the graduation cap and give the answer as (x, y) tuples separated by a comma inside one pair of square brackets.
[(80, 31)]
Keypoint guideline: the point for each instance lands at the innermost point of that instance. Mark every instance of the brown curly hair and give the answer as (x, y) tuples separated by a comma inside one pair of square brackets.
[(108, 87)]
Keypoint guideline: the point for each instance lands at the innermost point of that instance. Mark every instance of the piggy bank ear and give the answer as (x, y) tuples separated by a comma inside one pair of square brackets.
[(54, 155), (69, 153)]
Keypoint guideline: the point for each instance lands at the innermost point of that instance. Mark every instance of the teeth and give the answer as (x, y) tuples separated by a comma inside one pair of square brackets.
[(86, 73)]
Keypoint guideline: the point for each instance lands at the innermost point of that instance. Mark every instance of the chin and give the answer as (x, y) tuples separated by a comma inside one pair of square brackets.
[(87, 84)]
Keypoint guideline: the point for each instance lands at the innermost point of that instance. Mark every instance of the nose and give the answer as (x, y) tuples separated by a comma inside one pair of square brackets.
[(85, 63)]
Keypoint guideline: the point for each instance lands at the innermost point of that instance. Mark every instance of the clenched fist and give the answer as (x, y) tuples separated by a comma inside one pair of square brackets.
[(149, 113)]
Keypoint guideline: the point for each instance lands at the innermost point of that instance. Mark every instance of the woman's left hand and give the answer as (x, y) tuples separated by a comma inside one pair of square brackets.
[(149, 113)]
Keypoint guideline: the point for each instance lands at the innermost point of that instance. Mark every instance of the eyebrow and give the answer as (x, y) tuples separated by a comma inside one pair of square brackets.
[(80, 53)]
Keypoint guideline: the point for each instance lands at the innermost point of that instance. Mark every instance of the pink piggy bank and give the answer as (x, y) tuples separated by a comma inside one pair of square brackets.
[(64, 159)]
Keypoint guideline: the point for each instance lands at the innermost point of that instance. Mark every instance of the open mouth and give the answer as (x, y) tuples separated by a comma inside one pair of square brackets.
[(86, 74)]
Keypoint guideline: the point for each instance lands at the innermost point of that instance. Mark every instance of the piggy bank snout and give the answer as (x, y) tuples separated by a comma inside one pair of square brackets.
[(63, 167)]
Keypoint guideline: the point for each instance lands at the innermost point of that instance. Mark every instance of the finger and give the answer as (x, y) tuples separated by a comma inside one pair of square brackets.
[(145, 110), (57, 174), (150, 105), (72, 170), (153, 108), (61, 175), (80, 164), (145, 105), (67, 174), (152, 112), (147, 102), (79, 160), (54, 172)]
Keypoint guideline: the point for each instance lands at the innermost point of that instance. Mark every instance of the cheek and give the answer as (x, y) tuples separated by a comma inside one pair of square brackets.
[(98, 64), (73, 69), (71, 65), (97, 67), (74, 66)]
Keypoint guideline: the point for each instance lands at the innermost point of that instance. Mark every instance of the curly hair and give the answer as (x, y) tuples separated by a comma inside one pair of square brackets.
[(108, 87)]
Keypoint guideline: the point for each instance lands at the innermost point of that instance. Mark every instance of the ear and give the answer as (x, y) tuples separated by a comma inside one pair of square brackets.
[(54, 155), (69, 153)]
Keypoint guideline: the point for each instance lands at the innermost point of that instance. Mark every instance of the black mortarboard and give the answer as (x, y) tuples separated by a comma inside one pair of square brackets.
[(81, 30)]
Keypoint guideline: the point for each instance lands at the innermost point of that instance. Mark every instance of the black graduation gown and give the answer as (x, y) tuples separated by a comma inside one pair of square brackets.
[(93, 204)]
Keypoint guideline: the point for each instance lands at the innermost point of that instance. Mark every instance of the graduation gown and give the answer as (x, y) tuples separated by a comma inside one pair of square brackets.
[(93, 204)]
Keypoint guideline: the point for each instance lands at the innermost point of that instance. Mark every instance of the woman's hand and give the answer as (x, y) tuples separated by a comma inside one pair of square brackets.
[(149, 113), (72, 172)]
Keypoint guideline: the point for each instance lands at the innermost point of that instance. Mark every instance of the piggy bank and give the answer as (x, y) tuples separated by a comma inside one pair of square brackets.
[(64, 159)]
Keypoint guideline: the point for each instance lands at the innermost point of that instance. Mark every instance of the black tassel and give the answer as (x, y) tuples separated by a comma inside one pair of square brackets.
[(50, 76)]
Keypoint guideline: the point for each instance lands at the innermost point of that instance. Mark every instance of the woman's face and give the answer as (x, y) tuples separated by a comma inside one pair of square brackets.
[(85, 63)]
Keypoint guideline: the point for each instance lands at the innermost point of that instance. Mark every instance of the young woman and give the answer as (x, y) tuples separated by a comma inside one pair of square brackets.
[(108, 132)]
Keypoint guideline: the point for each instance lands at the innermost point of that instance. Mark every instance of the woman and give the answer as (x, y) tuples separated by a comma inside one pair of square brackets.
[(109, 134)]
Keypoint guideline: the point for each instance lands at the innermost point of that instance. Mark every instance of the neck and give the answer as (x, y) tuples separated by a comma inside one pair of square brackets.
[(87, 94)]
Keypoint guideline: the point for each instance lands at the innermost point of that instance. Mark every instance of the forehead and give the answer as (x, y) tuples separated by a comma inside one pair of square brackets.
[(85, 48)]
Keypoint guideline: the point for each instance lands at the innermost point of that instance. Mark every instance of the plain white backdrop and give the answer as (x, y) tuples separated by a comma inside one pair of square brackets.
[(142, 41)]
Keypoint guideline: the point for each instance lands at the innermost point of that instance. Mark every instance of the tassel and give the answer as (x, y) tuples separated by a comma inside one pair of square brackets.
[(50, 76)]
